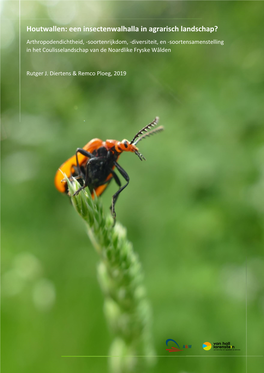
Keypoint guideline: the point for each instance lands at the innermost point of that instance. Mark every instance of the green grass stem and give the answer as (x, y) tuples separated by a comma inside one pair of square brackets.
[(126, 307)]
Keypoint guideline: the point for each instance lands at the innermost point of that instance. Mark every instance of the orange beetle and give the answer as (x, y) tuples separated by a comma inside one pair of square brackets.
[(94, 164)]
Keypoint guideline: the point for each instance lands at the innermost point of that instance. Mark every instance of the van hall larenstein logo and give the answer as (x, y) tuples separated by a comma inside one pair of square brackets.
[(207, 346), (219, 346), (174, 348)]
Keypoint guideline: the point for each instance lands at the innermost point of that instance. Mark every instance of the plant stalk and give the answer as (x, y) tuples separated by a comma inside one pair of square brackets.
[(126, 307)]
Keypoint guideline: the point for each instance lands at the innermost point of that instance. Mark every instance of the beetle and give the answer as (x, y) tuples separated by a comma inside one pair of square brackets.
[(94, 164)]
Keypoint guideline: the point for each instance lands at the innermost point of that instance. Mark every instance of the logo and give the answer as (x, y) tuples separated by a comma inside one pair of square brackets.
[(219, 346), (224, 346), (207, 346), (176, 348)]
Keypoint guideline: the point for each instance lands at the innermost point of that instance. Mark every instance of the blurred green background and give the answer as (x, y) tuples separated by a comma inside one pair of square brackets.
[(194, 210)]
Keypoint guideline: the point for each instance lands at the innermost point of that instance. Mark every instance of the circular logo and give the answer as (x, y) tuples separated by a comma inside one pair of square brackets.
[(207, 346)]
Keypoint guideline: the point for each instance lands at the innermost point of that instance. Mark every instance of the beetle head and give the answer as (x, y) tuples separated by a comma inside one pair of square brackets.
[(126, 146)]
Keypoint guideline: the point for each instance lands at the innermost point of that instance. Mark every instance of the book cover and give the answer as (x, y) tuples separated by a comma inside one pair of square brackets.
[(74, 71)]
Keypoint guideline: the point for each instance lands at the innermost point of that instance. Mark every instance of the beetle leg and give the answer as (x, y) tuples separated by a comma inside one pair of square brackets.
[(81, 175), (71, 178), (116, 178), (78, 191), (115, 196), (86, 154), (76, 173)]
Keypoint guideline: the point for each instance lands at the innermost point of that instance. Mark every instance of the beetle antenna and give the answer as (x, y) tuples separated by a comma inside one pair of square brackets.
[(155, 130), (145, 129)]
